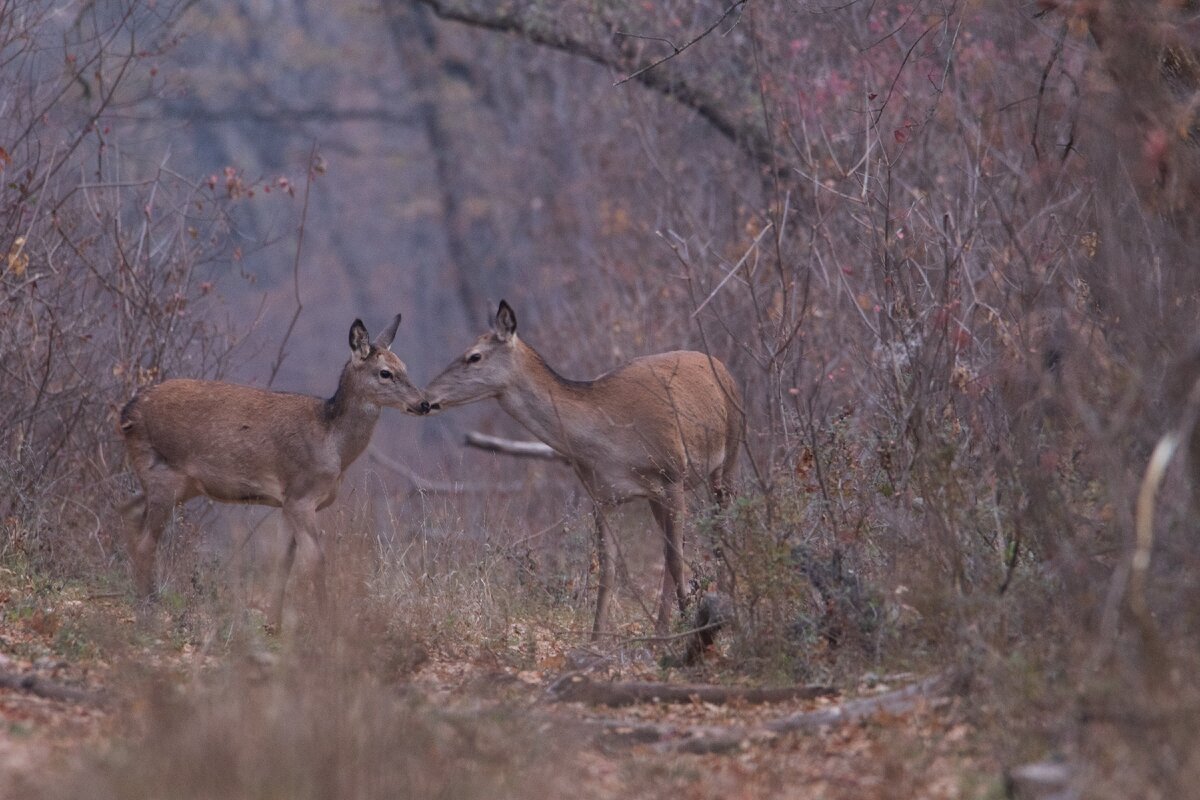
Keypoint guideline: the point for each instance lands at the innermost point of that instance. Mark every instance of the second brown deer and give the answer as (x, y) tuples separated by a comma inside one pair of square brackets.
[(239, 444), (649, 428)]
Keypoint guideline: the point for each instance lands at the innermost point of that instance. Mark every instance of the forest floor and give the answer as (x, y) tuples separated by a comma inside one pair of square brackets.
[(81, 673)]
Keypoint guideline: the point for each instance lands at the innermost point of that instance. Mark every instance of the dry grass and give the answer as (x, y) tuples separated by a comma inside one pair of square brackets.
[(374, 701), (308, 724)]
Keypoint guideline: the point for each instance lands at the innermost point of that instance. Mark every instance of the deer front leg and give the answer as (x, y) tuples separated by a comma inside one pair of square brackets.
[(607, 574), (133, 512), (303, 519), (275, 612), (157, 503)]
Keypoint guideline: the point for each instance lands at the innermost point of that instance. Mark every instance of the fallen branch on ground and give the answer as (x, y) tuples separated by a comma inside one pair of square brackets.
[(51, 690), (577, 688), (723, 738)]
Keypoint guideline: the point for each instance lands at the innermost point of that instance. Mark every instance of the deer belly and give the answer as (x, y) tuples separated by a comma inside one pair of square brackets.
[(612, 487), (235, 490)]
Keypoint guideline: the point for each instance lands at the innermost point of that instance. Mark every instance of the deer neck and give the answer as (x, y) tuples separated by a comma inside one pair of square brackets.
[(350, 420), (548, 405)]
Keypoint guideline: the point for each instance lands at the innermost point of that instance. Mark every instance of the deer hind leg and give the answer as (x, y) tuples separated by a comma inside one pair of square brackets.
[(669, 513), (719, 483), (719, 486), (604, 551)]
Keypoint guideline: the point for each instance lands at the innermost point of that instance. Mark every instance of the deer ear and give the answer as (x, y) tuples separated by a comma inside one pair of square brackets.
[(505, 324), (384, 340), (360, 342)]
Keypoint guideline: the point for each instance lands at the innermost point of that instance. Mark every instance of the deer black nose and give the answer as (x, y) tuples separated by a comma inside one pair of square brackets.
[(424, 406)]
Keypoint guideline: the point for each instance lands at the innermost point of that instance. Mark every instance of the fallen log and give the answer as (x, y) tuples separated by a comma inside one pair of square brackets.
[(1043, 780), (725, 738), (578, 688), (897, 701), (51, 690)]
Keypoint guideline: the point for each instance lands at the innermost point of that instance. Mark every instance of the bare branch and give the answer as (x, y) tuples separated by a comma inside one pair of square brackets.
[(312, 157), (732, 270), (742, 132), (677, 49), (511, 447)]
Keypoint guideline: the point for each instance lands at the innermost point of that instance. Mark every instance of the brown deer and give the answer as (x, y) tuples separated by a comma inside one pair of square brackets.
[(238, 444), (649, 429)]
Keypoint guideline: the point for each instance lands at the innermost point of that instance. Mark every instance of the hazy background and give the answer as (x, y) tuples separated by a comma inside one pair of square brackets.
[(948, 249), (460, 168)]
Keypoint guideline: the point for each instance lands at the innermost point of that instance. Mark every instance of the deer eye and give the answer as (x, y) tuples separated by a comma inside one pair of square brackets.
[(385, 374), (473, 358)]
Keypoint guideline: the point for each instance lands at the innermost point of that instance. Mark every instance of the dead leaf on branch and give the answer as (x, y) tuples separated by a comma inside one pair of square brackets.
[(18, 259)]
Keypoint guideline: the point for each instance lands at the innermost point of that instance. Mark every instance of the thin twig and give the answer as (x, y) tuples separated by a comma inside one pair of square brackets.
[(677, 49), (1037, 114), (312, 155), (734, 269), (676, 636)]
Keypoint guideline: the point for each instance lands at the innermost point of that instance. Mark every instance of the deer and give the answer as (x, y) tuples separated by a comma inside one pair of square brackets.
[(240, 444), (651, 428)]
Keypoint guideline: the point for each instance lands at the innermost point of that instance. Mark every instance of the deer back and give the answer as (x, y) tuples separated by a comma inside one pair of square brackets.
[(669, 413), (236, 443), (242, 444)]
